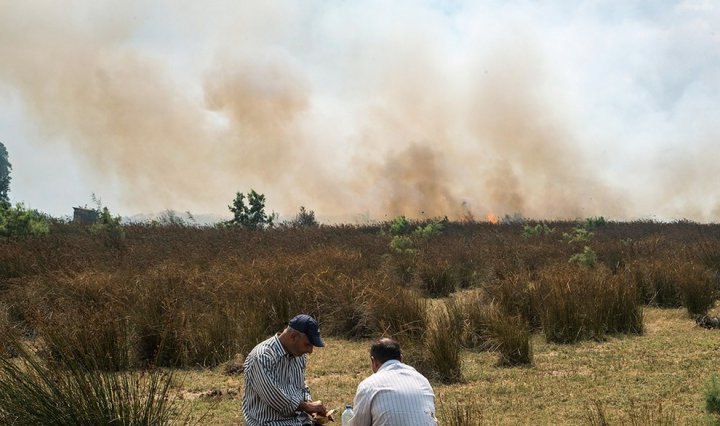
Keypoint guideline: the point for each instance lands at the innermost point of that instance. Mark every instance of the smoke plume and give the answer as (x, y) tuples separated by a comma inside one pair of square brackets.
[(349, 109)]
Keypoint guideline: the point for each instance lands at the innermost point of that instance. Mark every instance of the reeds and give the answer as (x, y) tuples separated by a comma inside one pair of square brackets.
[(579, 304), (467, 413), (192, 296), (646, 414), (37, 390)]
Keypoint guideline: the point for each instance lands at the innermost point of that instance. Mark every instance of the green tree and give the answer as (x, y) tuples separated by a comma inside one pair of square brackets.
[(251, 215), (21, 222), (305, 218), (5, 168)]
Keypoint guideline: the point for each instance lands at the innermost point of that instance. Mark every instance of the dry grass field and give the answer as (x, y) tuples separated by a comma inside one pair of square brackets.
[(657, 378), (587, 322)]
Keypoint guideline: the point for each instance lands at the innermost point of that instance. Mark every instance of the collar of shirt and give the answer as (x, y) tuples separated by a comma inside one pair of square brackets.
[(388, 363)]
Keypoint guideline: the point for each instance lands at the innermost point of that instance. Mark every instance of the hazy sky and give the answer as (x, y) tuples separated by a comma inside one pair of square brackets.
[(553, 109)]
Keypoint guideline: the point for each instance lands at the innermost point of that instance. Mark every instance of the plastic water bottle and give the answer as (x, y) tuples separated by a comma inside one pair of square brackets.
[(346, 415)]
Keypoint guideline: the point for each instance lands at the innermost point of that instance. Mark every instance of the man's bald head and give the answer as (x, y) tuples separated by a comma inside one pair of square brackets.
[(385, 349)]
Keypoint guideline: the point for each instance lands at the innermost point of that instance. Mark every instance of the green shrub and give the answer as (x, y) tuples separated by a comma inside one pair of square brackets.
[(305, 218), (402, 244), (592, 223), (430, 230), (19, 222), (109, 228), (587, 258), (578, 235), (252, 215), (536, 231), (399, 226)]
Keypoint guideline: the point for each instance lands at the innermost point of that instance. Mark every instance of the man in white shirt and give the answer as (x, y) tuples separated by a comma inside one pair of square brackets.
[(395, 394)]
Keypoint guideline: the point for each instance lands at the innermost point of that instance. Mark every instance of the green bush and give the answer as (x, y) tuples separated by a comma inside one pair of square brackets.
[(402, 244), (19, 222), (430, 230), (399, 226), (305, 218), (592, 223), (578, 235), (109, 228), (587, 258), (252, 215), (535, 231)]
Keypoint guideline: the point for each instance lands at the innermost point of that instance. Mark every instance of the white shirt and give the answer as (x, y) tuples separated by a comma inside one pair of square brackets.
[(396, 395)]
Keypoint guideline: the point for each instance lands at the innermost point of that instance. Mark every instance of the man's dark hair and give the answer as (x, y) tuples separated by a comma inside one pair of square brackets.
[(385, 349)]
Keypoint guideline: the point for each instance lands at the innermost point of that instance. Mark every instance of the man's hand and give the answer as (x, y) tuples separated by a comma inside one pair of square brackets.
[(312, 407)]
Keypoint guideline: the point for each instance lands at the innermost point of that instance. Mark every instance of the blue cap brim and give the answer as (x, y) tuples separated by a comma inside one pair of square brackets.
[(316, 341)]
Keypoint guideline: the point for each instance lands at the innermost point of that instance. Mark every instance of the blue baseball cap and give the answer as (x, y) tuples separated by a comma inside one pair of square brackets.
[(308, 326)]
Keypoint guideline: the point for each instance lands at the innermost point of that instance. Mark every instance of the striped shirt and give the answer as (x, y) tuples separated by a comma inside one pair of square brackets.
[(396, 395), (274, 386)]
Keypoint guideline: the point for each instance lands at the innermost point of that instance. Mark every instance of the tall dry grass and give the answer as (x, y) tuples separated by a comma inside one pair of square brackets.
[(73, 389), (191, 296), (579, 303)]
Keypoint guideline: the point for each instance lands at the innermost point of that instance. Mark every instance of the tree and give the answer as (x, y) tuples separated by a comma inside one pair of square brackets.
[(5, 168), (305, 218), (253, 214)]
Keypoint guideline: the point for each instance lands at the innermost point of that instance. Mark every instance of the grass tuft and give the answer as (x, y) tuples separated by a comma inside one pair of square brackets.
[(35, 390)]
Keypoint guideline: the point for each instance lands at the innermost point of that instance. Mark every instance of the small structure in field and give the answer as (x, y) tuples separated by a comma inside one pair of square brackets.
[(85, 216)]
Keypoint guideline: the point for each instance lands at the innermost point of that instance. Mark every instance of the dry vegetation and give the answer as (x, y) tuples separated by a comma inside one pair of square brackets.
[(576, 323)]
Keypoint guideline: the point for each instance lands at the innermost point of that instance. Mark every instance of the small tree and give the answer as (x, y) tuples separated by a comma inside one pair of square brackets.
[(5, 168), (253, 214), (305, 218)]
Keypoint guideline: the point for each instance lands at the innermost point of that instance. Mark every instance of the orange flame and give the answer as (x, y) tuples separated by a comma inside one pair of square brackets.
[(492, 218)]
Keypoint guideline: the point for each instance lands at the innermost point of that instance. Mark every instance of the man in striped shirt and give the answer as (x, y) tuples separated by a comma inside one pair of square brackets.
[(275, 389), (396, 394)]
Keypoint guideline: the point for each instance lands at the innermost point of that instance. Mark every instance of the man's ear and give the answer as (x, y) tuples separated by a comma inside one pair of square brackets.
[(401, 359)]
